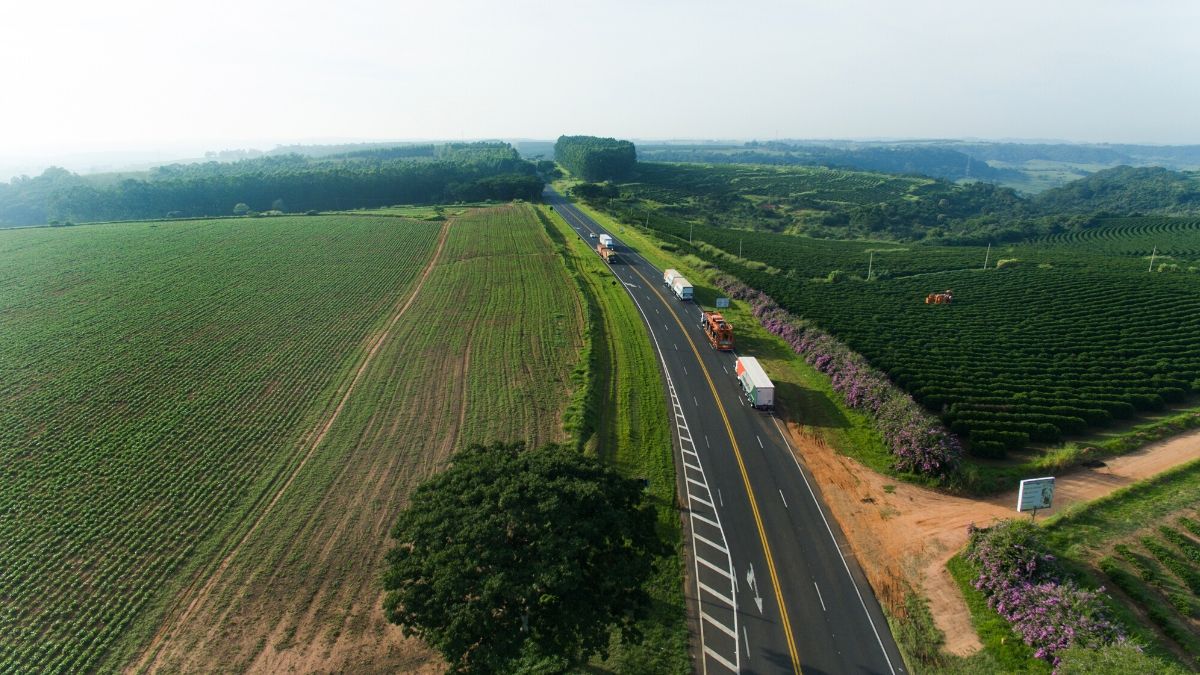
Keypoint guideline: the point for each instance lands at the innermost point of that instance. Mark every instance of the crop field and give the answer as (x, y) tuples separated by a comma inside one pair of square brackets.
[(484, 352), (155, 379), (1173, 237)]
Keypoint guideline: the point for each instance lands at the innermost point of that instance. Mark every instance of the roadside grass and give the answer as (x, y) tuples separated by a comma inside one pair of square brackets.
[(1003, 651), (623, 420)]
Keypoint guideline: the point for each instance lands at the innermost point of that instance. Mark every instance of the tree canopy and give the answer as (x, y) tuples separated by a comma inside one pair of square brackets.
[(518, 559), (592, 158)]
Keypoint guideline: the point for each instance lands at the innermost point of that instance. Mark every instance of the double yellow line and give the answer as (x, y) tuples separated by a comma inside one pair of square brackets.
[(762, 535)]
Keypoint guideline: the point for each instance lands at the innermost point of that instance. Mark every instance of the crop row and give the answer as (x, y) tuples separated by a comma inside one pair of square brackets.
[(153, 379), (1073, 348), (1140, 236)]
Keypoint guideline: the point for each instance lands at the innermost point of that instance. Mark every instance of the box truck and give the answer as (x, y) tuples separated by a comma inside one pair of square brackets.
[(758, 387), (606, 240)]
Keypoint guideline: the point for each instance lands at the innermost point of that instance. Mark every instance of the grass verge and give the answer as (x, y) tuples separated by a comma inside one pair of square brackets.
[(620, 416)]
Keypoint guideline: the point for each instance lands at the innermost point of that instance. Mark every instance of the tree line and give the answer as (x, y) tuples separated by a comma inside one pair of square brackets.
[(451, 173)]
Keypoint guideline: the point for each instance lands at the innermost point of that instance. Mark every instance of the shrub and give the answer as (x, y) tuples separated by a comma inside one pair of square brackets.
[(1025, 585)]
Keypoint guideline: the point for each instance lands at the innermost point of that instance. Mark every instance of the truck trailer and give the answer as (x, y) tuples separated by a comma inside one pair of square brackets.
[(758, 387), (669, 276), (718, 331), (682, 288), (606, 240), (606, 253)]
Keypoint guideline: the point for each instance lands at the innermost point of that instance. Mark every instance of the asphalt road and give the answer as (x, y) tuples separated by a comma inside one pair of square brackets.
[(774, 586)]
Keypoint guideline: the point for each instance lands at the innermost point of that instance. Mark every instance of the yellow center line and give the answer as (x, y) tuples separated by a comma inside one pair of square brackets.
[(762, 535)]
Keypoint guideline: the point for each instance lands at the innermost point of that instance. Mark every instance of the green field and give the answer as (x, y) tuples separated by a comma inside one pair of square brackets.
[(165, 386), (484, 353), (157, 379)]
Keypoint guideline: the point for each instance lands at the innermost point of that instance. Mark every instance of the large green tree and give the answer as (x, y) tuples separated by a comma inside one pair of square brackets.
[(521, 560)]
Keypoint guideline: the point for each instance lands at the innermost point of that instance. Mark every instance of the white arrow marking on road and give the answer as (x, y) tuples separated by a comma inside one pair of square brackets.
[(754, 586)]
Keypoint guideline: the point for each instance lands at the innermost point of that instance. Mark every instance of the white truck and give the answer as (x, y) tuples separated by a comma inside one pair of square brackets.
[(682, 288), (669, 276), (758, 387), (606, 240)]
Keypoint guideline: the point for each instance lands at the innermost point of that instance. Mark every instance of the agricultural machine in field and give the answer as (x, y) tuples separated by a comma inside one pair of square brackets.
[(718, 331), (943, 298)]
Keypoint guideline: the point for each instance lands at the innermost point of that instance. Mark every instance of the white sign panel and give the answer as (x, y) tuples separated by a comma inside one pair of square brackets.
[(722, 303), (1035, 494)]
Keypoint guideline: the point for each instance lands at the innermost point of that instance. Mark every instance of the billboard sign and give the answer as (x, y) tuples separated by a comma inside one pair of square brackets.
[(722, 303), (1035, 494)]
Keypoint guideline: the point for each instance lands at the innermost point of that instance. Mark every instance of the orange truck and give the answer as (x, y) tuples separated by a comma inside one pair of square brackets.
[(605, 252), (718, 330)]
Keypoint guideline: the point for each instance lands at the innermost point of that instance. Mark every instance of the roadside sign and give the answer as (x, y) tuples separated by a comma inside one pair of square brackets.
[(1035, 494), (722, 303)]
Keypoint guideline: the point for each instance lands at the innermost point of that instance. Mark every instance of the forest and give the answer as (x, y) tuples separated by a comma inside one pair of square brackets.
[(593, 158), (358, 178)]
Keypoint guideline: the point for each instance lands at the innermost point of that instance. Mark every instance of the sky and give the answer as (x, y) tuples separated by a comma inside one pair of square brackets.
[(134, 74)]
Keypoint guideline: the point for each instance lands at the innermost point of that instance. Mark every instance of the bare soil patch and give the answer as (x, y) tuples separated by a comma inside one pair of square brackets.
[(903, 534)]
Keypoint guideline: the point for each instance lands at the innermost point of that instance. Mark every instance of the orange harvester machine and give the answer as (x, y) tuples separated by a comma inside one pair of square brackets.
[(718, 330)]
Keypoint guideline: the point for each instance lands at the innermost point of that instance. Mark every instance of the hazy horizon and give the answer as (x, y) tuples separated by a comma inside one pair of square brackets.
[(133, 75)]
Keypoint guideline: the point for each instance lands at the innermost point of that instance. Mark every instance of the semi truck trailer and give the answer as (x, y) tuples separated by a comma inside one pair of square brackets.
[(755, 383), (682, 288)]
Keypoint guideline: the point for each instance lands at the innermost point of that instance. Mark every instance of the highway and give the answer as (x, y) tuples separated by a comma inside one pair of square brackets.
[(773, 587)]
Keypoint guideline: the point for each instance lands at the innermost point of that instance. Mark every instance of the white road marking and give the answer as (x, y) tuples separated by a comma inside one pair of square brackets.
[(695, 401), (685, 371), (725, 369), (720, 498), (676, 346), (759, 441), (787, 444), (706, 443), (746, 637), (783, 498), (819, 597)]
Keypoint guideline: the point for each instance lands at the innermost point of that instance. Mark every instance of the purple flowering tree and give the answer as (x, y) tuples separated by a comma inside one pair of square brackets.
[(1025, 585)]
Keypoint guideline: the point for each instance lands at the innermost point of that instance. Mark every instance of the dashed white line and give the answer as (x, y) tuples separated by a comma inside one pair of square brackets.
[(720, 498), (819, 597), (725, 369), (759, 441), (746, 637), (706, 443), (783, 498), (695, 401), (685, 371)]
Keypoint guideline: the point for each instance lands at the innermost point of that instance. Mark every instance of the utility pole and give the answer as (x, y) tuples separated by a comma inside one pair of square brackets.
[(691, 227), (1152, 253), (870, 265), (739, 247), (987, 255), (647, 223)]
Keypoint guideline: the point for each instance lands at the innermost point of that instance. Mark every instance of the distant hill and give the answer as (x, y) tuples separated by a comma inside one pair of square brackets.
[(1126, 190)]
